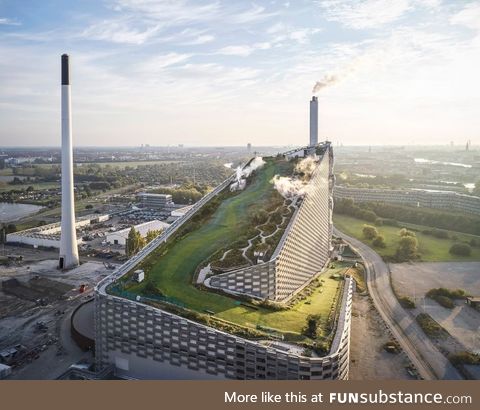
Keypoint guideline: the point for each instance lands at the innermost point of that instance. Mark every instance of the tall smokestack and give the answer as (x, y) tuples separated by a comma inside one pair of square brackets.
[(314, 121), (68, 241)]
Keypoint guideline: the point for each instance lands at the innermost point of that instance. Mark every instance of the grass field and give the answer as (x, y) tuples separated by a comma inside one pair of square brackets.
[(36, 186), (431, 249), (173, 272)]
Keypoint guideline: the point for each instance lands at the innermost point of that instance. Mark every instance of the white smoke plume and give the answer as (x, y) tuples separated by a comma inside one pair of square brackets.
[(242, 173), (326, 81), (307, 165), (290, 187), (332, 79), (256, 163)]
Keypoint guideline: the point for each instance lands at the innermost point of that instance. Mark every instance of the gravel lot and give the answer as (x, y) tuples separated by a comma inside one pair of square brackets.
[(419, 278), (462, 322), (368, 359)]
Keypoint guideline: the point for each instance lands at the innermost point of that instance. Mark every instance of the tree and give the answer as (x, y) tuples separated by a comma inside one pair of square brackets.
[(405, 232), (135, 242), (369, 232), (407, 248), (379, 242), (311, 328), (152, 234), (461, 249)]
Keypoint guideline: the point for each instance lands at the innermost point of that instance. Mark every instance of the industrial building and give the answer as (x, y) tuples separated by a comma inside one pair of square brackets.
[(447, 200), (48, 236), (155, 201), (120, 237), (144, 341)]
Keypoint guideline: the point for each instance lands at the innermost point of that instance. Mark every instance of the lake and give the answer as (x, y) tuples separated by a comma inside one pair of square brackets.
[(12, 212)]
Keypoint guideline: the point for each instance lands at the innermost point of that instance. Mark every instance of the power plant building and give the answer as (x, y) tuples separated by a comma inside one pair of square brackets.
[(147, 341)]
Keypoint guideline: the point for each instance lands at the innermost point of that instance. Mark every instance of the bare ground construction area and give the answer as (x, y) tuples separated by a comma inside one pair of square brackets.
[(36, 301), (368, 358), (462, 322)]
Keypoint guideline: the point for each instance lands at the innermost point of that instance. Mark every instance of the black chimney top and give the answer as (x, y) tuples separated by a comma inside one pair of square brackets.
[(65, 70)]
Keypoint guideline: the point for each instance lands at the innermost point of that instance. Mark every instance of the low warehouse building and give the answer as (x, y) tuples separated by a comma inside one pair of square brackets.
[(48, 236), (120, 237)]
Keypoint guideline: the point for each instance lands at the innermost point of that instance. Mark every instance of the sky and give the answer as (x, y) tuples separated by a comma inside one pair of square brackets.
[(214, 72)]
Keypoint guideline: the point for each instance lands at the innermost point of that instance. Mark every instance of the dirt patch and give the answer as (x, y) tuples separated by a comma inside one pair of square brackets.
[(43, 329), (368, 358), (36, 289)]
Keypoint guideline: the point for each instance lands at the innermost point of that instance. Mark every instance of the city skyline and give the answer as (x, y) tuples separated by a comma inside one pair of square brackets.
[(218, 73)]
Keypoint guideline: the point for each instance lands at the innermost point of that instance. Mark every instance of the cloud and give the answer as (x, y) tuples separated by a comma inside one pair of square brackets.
[(302, 36), (120, 31), (8, 22), (361, 14), (162, 61), (281, 32), (468, 17), (216, 73), (170, 11), (243, 50), (255, 13), (201, 39)]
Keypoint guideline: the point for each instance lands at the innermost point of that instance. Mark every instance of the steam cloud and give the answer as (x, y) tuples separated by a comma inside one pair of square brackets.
[(290, 187), (242, 173), (307, 165), (256, 163)]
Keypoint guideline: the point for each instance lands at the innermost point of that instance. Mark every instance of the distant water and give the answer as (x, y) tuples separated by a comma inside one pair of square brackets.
[(431, 161), (12, 212)]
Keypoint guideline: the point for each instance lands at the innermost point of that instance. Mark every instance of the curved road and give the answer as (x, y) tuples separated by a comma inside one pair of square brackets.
[(430, 363)]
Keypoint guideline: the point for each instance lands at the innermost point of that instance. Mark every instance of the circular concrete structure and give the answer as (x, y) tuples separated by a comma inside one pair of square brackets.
[(82, 325)]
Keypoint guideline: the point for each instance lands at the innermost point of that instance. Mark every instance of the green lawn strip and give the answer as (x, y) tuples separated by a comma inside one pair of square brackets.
[(431, 249)]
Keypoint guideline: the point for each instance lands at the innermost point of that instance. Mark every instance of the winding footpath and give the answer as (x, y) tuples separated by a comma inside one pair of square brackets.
[(430, 363)]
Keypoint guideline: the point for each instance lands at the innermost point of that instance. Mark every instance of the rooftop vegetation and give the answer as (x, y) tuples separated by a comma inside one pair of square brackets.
[(227, 232)]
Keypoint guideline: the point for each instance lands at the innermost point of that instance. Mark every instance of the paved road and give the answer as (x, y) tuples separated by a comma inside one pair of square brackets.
[(430, 363)]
